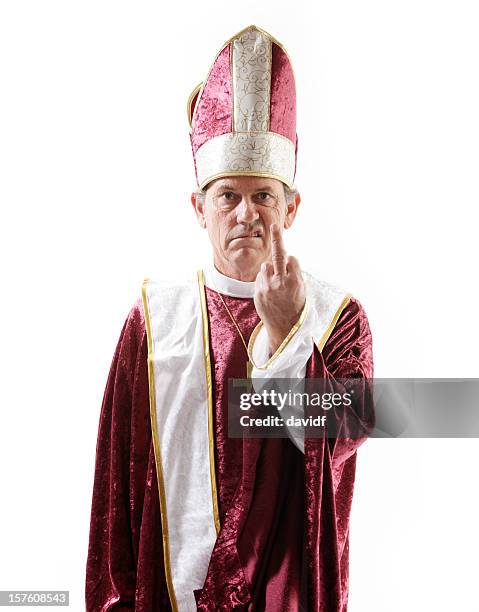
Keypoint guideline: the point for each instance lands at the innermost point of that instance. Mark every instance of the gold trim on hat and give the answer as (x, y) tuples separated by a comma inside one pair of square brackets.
[(189, 110)]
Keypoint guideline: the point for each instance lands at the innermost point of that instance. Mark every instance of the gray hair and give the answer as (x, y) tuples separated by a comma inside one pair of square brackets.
[(289, 193)]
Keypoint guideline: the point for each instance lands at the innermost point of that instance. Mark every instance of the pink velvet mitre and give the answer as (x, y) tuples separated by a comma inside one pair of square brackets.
[(243, 116)]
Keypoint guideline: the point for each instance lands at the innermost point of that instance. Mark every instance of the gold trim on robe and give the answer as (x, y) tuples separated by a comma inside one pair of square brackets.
[(334, 320), (283, 344), (156, 448), (209, 384)]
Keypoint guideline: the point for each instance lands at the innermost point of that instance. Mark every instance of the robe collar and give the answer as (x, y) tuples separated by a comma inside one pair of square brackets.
[(227, 285)]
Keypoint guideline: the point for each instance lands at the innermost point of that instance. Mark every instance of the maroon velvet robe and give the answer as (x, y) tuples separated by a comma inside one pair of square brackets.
[(284, 537)]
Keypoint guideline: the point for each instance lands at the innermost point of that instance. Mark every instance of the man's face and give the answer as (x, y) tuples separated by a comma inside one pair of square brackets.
[(238, 212)]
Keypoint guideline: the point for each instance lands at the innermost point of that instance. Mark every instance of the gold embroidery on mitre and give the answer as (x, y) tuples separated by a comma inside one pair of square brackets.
[(251, 75), (254, 153)]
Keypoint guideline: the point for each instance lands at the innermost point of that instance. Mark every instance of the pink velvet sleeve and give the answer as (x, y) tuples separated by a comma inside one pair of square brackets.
[(110, 577), (124, 569), (330, 463), (348, 355)]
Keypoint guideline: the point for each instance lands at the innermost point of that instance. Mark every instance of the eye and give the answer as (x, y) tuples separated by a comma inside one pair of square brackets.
[(263, 195), (228, 195)]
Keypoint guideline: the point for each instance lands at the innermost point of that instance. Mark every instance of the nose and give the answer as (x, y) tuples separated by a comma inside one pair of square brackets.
[(246, 211)]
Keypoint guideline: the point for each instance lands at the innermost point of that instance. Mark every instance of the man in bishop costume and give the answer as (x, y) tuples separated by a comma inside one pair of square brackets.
[(183, 516)]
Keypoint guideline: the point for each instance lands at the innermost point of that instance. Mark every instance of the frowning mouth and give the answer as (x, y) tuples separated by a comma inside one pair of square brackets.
[(246, 236)]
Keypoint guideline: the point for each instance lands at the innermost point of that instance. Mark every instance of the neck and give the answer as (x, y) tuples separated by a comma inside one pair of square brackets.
[(246, 276)]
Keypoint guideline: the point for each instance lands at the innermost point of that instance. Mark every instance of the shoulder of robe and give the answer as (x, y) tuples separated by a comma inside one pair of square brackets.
[(336, 308), (156, 286), (134, 329), (169, 296)]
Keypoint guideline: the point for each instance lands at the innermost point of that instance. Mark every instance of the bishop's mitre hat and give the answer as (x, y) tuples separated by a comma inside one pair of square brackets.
[(243, 115)]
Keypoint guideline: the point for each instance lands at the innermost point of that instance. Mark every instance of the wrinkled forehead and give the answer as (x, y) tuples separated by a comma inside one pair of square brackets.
[(245, 184)]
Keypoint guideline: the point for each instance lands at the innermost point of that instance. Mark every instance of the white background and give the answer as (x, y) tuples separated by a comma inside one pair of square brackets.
[(96, 174)]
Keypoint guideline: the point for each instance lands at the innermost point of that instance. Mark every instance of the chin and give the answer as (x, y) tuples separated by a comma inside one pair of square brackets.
[(249, 258), (247, 253)]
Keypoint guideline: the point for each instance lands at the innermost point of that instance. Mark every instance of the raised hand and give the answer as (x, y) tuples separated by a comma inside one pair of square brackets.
[(280, 293)]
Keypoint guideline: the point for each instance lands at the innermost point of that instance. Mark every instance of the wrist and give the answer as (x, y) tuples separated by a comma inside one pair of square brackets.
[(276, 336), (274, 344), (278, 333)]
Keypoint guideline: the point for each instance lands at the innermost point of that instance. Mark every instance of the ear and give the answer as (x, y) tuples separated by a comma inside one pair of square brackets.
[(292, 210), (198, 204)]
